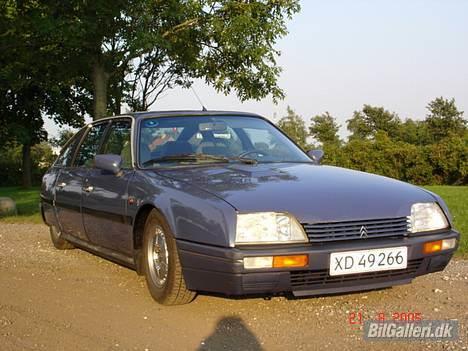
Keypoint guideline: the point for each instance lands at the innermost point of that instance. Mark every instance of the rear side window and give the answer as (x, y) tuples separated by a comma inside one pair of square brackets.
[(66, 156), (90, 145), (118, 142)]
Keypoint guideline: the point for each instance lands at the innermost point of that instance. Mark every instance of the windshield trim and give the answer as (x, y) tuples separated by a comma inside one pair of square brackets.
[(140, 120)]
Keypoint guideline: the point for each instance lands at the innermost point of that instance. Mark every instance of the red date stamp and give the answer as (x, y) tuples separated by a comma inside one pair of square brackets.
[(357, 317)]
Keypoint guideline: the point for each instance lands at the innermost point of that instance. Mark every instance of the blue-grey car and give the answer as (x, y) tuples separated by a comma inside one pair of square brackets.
[(224, 202)]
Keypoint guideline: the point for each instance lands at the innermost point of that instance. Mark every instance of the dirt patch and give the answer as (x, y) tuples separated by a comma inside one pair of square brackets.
[(60, 300)]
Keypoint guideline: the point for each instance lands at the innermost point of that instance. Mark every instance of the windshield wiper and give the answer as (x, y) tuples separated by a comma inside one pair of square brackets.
[(246, 160), (198, 157), (185, 157)]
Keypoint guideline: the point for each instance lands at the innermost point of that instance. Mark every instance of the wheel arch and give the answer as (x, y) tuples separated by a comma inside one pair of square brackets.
[(138, 230)]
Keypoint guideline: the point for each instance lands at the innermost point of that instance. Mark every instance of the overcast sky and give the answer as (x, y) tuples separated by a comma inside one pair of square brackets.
[(340, 55)]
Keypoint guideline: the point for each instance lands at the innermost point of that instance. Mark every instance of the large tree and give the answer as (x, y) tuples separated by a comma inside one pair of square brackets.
[(366, 123), (118, 44), (32, 80), (444, 119), (65, 58)]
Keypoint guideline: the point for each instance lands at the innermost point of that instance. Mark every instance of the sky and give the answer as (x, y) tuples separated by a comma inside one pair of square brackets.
[(341, 54)]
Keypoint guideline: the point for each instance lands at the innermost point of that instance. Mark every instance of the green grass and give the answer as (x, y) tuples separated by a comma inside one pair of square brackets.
[(27, 204), (456, 198)]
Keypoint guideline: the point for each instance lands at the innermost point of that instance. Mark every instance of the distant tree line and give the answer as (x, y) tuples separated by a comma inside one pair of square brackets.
[(429, 151)]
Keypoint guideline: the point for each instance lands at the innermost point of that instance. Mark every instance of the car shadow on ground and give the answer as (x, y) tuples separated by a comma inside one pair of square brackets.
[(289, 295), (231, 333)]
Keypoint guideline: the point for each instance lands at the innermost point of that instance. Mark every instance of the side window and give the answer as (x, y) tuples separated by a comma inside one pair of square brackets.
[(90, 145), (66, 155), (118, 142)]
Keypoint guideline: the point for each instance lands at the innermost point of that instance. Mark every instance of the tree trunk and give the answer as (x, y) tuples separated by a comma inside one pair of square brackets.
[(27, 166), (118, 98), (100, 83)]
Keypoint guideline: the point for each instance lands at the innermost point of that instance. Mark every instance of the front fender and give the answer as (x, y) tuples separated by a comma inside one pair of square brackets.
[(442, 204), (192, 213)]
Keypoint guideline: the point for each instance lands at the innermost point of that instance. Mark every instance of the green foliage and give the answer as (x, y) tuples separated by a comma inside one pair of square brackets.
[(413, 132), (433, 151), (448, 160), (11, 170), (444, 119), (66, 58), (294, 127), (33, 79), (63, 137), (324, 129), (133, 50), (366, 123), (384, 145)]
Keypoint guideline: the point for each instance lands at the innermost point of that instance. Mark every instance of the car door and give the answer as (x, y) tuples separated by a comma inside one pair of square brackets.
[(105, 197), (54, 176), (69, 185), (67, 191)]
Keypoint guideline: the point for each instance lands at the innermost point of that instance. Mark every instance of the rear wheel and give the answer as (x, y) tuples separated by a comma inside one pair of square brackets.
[(161, 263), (59, 242)]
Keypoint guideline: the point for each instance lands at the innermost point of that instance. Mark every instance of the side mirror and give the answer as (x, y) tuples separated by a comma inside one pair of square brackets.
[(316, 155), (108, 162)]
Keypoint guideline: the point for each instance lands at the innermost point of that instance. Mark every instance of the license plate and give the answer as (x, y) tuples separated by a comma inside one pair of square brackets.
[(351, 262)]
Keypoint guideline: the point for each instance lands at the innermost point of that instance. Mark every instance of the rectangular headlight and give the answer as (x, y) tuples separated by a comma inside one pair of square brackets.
[(268, 228), (427, 216)]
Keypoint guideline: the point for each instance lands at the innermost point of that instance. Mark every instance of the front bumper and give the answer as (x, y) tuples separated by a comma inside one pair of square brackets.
[(221, 270)]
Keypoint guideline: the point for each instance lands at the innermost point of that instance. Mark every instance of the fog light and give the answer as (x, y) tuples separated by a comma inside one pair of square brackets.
[(439, 245), (290, 261), (258, 262), (449, 244)]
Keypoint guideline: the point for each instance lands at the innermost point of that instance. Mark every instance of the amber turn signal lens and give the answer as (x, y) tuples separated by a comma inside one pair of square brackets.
[(290, 261), (432, 246)]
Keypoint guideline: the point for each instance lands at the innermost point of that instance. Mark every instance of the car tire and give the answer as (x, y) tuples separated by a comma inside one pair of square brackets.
[(59, 242), (161, 264)]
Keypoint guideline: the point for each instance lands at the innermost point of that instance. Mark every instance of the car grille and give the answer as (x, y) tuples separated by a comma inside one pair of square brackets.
[(321, 278), (350, 230)]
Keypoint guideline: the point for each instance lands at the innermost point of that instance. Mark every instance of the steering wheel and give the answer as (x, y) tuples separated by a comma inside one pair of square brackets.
[(258, 152)]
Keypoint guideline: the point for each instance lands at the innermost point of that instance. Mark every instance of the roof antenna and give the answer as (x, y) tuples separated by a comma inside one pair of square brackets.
[(198, 98)]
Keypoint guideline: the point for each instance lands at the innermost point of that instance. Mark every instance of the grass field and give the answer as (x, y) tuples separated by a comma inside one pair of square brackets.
[(27, 203), (456, 198)]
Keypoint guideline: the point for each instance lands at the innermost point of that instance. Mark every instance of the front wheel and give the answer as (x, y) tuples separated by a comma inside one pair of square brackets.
[(161, 264), (59, 242)]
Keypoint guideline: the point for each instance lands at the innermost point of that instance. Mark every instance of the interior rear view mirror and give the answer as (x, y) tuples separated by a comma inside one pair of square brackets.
[(212, 126)]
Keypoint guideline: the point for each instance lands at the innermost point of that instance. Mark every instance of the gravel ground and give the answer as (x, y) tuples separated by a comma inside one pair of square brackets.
[(61, 300)]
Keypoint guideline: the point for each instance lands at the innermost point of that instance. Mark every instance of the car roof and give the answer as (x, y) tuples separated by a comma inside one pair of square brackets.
[(175, 113)]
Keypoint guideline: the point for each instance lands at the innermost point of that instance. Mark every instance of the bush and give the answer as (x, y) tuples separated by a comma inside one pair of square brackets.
[(443, 163)]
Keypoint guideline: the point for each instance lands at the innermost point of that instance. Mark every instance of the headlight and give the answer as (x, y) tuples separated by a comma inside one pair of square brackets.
[(427, 217), (268, 228)]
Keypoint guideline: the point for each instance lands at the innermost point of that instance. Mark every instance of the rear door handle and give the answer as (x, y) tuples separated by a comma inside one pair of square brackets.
[(88, 188), (61, 185)]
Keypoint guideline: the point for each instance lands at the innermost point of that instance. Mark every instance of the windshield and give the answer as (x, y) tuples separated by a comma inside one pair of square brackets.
[(202, 139)]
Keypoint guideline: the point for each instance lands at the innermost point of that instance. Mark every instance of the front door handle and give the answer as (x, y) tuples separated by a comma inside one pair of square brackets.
[(88, 188), (61, 185)]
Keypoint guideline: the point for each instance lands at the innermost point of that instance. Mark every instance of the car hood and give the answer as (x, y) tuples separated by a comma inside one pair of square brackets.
[(312, 193)]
